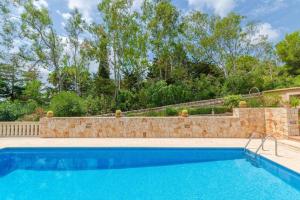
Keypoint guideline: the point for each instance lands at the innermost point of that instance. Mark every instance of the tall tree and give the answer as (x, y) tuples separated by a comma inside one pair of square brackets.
[(97, 49), (12, 62), (127, 43), (164, 28), (75, 28), (37, 26), (222, 41)]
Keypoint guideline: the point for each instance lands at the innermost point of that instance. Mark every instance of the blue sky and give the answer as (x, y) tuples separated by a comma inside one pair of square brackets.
[(275, 17)]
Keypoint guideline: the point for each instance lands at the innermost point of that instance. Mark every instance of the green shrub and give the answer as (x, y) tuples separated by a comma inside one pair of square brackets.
[(221, 110), (67, 104), (126, 100), (208, 110), (294, 102), (200, 111), (171, 112), (10, 111), (232, 101), (254, 102), (98, 105), (154, 114), (271, 100)]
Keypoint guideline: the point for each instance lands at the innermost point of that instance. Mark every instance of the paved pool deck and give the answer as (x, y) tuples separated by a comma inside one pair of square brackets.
[(289, 151)]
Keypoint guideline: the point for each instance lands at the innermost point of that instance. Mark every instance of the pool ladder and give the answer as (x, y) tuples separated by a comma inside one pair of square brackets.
[(261, 146)]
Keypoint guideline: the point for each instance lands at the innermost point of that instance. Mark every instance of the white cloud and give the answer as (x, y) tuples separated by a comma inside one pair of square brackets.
[(65, 16), (40, 4), (219, 7), (85, 6), (266, 30)]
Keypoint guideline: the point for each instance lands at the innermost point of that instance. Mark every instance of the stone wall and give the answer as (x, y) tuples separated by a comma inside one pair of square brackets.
[(242, 124), (282, 121)]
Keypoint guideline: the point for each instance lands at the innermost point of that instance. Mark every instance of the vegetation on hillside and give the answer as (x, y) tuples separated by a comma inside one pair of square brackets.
[(153, 56)]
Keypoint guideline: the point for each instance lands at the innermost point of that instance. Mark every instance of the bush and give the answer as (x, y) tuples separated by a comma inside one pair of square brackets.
[(271, 100), (200, 111), (126, 100), (67, 104), (294, 102), (171, 112), (232, 101), (208, 110), (10, 111), (254, 102), (161, 93), (98, 105), (221, 110)]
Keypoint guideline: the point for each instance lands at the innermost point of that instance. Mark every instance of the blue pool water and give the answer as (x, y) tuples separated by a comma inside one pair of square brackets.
[(141, 173)]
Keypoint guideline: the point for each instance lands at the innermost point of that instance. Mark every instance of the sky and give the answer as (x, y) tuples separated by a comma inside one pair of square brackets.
[(276, 18)]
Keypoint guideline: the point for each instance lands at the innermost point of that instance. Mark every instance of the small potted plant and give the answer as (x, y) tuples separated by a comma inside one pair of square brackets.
[(184, 113), (50, 114), (118, 113), (242, 104)]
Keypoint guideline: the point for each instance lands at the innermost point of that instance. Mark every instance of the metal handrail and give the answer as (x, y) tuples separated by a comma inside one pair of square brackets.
[(250, 139), (263, 142)]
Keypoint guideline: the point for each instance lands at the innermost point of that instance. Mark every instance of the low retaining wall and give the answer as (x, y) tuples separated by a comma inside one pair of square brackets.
[(242, 124)]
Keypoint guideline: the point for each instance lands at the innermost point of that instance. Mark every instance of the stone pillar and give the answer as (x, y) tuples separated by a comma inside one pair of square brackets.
[(282, 121), (293, 122)]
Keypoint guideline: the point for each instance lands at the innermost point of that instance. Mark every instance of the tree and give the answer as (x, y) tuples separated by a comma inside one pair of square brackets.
[(164, 32), (222, 41), (97, 50), (37, 26), (33, 91), (12, 62), (127, 43), (289, 52), (77, 59)]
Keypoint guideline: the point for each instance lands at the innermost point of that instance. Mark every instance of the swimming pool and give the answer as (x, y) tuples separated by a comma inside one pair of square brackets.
[(141, 173)]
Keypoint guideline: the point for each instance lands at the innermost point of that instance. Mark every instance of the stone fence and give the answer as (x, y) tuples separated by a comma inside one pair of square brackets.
[(19, 129), (242, 124)]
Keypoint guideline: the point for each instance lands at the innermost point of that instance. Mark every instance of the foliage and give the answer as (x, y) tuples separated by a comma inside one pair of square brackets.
[(125, 100), (162, 57), (66, 104), (209, 110), (171, 112), (271, 100), (232, 101), (33, 90), (294, 102), (289, 52), (254, 102), (10, 111)]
